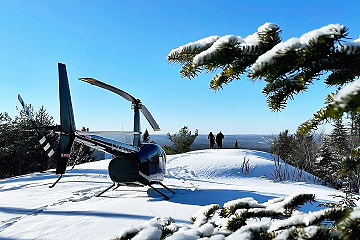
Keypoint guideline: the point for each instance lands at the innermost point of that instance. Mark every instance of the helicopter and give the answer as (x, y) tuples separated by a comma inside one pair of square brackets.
[(141, 163)]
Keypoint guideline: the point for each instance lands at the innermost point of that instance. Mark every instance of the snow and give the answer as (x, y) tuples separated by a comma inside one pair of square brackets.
[(152, 233), (355, 214), (222, 42), (252, 203), (268, 26), (29, 209), (233, 41), (346, 92), (280, 206), (281, 49), (350, 47), (191, 47), (245, 233), (202, 214)]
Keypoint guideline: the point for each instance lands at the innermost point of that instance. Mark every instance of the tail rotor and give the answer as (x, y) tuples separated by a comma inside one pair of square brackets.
[(44, 142)]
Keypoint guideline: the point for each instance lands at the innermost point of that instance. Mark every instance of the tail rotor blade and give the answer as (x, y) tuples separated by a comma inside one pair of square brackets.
[(150, 118), (27, 110), (43, 141), (113, 89)]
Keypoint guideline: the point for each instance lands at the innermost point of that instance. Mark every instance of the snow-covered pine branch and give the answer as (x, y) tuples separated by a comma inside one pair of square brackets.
[(183, 52), (294, 46), (230, 207), (233, 54), (291, 203), (204, 214), (255, 221)]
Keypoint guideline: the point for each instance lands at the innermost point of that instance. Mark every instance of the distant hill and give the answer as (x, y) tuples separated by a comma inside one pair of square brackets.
[(247, 141)]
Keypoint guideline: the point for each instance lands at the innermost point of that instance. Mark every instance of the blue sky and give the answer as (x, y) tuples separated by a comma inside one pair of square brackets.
[(125, 43)]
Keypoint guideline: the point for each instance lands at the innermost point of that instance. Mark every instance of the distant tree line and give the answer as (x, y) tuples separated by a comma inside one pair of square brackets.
[(333, 157), (20, 151)]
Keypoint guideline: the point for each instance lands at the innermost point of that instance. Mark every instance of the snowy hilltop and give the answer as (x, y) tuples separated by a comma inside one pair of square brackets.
[(201, 179)]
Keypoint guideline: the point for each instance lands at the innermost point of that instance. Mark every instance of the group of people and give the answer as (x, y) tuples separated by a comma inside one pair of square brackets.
[(219, 138)]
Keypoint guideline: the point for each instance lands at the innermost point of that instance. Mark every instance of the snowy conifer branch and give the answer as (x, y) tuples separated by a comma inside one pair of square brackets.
[(204, 214), (230, 207), (232, 54), (288, 67), (347, 99), (254, 220)]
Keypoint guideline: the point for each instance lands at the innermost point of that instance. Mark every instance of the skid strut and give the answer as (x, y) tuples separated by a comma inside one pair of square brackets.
[(158, 191), (98, 195), (166, 188), (53, 185)]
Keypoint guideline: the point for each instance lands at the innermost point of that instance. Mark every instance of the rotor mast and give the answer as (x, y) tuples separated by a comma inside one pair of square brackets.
[(136, 106)]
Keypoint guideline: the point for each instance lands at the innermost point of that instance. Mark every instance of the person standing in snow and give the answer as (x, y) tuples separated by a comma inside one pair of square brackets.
[(219, 138), (211, 138), (236, 144)]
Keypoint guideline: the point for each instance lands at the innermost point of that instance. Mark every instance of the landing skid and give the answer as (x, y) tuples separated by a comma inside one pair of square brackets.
[(116, 185), (158, 191), (53, 185)]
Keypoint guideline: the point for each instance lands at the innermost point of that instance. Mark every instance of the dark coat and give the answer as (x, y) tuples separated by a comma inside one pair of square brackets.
[(211, 138), (219, 137)]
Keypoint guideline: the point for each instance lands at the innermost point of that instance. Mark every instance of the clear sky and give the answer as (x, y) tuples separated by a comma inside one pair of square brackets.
[(125, 43)]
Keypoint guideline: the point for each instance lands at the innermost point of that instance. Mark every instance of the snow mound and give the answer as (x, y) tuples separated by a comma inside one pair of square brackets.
[(227, 164)]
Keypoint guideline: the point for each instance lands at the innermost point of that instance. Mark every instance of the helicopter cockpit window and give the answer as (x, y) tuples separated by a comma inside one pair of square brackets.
[(155, 160)]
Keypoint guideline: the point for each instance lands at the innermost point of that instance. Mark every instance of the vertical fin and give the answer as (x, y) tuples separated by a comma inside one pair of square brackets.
[(67, 121)]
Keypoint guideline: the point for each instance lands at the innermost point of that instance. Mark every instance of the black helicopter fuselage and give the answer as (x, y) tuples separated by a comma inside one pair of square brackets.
[(144, 166)]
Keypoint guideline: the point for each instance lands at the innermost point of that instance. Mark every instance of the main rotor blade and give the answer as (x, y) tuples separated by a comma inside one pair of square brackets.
[(113, 89), (150, 118), (125, 95)]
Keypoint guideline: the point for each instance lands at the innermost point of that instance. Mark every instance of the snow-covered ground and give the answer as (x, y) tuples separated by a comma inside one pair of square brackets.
[(29, 209)]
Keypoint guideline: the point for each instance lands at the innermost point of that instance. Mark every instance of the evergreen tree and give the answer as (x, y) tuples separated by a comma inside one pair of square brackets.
[(297, 150), (328, 164), (339, 139), (146, 136), (354, 129), (283, 145), (288, 68), (20, 151), (181, 140)]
